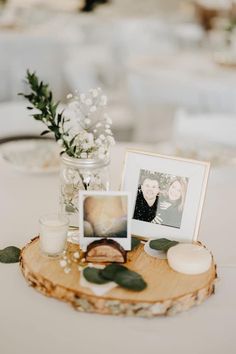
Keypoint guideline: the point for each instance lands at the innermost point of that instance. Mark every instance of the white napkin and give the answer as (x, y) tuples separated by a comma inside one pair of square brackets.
[(97, 289)]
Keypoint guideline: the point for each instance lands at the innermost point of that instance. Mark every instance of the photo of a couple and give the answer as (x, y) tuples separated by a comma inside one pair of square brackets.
[(160, 198)]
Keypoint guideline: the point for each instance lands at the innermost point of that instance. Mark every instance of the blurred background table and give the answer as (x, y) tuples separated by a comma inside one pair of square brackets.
[(151, 58)]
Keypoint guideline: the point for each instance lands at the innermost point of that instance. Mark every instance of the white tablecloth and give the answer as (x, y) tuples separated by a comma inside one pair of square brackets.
[(31, 323)]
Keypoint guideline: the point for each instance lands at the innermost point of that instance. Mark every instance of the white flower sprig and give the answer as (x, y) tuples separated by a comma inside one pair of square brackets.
[(88, 126), (83, 129)]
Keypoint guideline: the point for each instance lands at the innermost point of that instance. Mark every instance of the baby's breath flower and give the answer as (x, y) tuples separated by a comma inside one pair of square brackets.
[(76, 255), (67, 270), (78, 130), (82, 97), (103, 101), (87, 121), (88, 102), (107, 118), (84, 155), (94, 92), (93, 109), (101, 150), (60, 142), (90, 137), (86, 146), (98, 141), (69, 96), (63, 263), (110, 140)]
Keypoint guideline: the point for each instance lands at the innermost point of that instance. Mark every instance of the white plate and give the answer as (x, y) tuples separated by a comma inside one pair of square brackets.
[(32, 155)]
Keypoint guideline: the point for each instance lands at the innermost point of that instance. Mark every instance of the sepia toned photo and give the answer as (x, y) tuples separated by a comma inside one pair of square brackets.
[(104, 215), (160, 198)]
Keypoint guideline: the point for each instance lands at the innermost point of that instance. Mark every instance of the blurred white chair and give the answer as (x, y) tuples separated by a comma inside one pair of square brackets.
[(90, 66), (19, 52), (142, 36), (153, 118), (15, 120), (205, 128), (123, 122), (188, 35)]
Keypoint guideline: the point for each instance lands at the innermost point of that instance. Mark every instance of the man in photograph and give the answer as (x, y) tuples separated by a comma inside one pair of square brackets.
[(147, 198)]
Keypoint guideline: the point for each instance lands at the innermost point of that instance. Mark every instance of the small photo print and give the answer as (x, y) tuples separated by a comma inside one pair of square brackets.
[(160, 198), (105, 216)]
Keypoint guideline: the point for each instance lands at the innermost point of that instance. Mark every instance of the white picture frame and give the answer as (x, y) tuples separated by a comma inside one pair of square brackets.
[(195, 175), (125, 197)]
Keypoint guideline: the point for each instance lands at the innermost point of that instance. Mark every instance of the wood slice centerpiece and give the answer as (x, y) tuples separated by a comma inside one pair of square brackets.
[(167, 293)]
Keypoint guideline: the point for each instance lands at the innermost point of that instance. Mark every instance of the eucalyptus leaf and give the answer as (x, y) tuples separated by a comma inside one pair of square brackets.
[(93, 275), (70, 209), (10, 254), (130, 280), (45, 132), (134, 243), (110, 271), (162, 244)]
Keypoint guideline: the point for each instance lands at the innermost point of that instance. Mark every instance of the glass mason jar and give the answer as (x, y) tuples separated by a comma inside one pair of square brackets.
[(80, 174)]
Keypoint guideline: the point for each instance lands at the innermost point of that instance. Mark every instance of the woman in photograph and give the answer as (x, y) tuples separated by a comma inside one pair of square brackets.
[(171, 202)]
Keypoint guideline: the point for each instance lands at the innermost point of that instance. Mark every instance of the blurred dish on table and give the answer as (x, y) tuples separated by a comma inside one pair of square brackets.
[(226, 59), (32, 155)]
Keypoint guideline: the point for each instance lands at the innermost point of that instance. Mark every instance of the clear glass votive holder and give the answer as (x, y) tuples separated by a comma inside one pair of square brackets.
[(53, 234)]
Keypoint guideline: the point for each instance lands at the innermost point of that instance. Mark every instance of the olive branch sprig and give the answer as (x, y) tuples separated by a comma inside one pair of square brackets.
[(41, 99)]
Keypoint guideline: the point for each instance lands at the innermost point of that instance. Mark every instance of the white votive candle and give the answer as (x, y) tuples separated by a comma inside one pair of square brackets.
[(188, 258), (53, 234)]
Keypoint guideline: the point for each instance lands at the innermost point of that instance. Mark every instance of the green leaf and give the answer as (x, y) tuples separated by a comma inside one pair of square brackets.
[(70, 209), (130, 280), (110, 271), (93, 276), (162, 244), (45, 132), (59, 117), (134, 243), (10, 254), (53, 108), (38, 116), (72, 140)]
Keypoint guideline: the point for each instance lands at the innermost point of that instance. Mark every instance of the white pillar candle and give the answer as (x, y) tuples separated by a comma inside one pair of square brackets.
[(188, 258), (53, 234)]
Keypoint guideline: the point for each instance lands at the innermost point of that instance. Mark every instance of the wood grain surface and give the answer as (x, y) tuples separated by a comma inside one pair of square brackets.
[(167, 293)]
